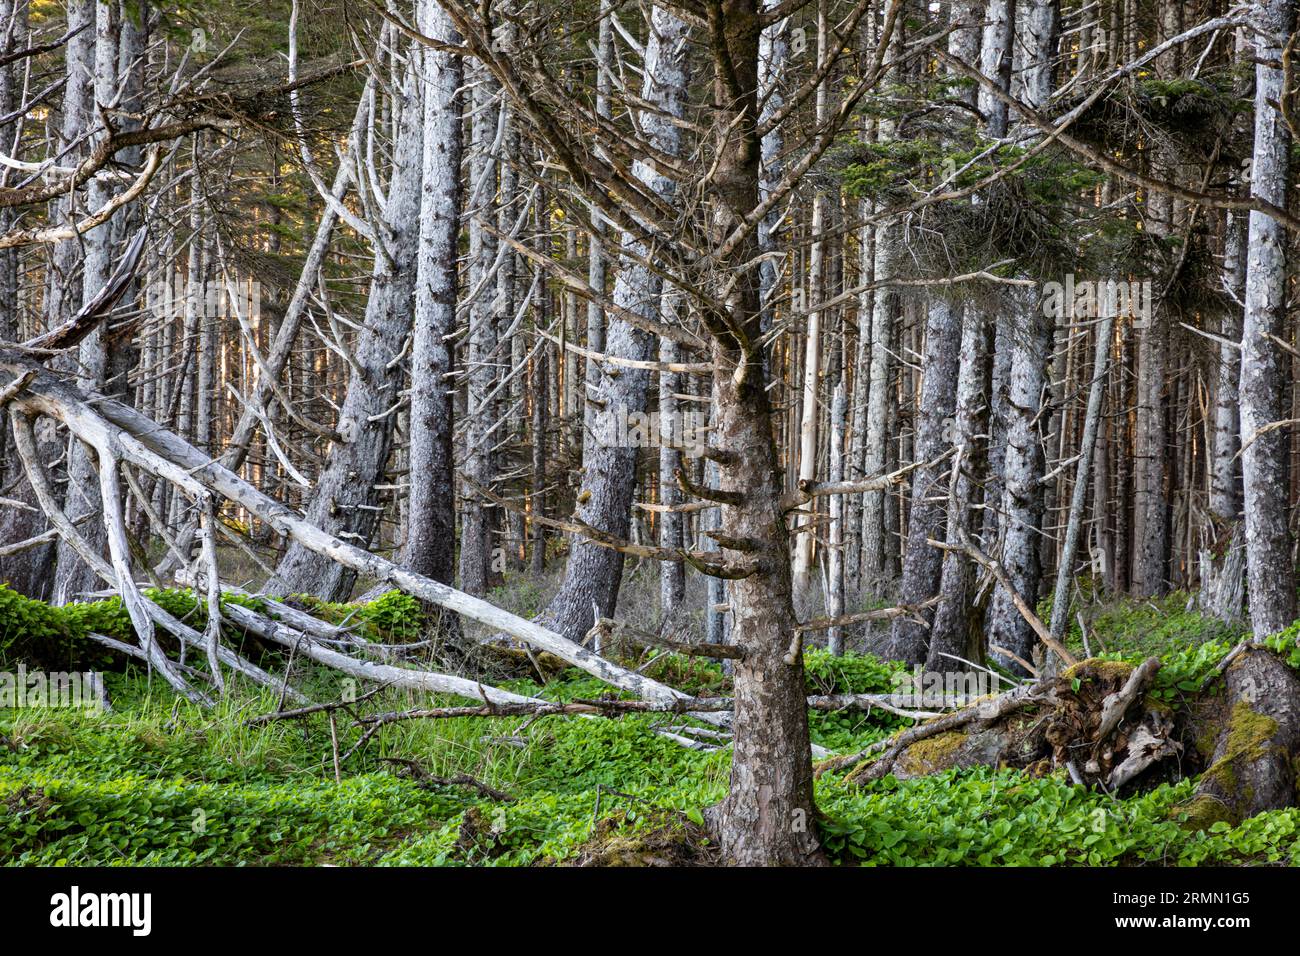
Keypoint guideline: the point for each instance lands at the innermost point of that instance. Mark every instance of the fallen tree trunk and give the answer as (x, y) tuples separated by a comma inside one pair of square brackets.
[(122, 431), (370, 670), (1099, 723)]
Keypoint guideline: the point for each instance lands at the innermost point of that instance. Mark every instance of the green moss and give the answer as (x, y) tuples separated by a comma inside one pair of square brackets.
[(1248, 734), (1097, 667), (1202, 812), (931, 754), (392, 618)]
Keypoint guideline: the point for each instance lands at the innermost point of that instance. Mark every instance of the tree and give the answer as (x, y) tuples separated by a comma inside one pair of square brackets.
[(431, 518), (1269, 569)]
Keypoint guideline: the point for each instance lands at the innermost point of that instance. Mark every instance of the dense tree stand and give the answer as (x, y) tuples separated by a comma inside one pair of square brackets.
[(743, 355)]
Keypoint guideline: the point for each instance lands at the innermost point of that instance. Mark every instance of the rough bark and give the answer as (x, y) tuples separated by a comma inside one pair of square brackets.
[(430, 544), (1269, 569), (1253, 765), (1022, 492), (950, 629), (344, 500), (768, 815), (922, 565), (593, 574)]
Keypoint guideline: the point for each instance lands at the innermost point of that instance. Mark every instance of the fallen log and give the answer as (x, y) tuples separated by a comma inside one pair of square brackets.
[(1093, 720), (131, 436), (387, 674)]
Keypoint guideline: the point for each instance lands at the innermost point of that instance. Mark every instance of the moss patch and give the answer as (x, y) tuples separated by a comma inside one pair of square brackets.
[(664, 838), (1248, 734), (1095, 667), (931, 754)]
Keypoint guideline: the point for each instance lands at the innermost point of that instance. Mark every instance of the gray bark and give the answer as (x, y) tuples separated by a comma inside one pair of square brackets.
[(923, 564), (344, 500), (593, 574), (950, 629), (430, 544), (1269, 570)]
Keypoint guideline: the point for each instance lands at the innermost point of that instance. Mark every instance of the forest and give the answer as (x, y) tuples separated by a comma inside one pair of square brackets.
[(675, 433)]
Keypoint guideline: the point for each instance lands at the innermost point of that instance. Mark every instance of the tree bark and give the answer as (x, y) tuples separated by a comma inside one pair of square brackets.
[(922, 565), (344, 500), (430, 546), (593, 574), (1269, 570)]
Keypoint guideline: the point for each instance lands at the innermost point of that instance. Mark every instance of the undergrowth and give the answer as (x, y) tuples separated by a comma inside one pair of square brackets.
[(158, 781)]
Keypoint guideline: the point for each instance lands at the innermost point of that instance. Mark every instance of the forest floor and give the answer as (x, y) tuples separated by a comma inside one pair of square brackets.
[(158, 781)]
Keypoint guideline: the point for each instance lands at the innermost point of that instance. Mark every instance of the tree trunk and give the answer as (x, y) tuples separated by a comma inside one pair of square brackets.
[(430, 547), (922, 564), (950, 630), (593, 574), (1269, 569), (767, 816), (480, 368), (1222, 561), (343, 499), (1022, 494)]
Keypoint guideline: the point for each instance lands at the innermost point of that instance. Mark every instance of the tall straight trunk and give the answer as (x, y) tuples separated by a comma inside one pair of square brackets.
[(1152, 488), (593, 574), (480, 378), (773, 53), (1000, 374), (875, 565), (430, 545), (803, 559), (1223, 565), (672, 574), (922, 564), (1030, 335), (506, 527), (1022, 490), (344, 500), (540, 407), (1270, 574), (859, 400), (72, 576), (1120, 399), (995, 62), (1151, 500), (597, 261), (13, 15), (63, 291), (835, 541), (768, 814), (950, 629)]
